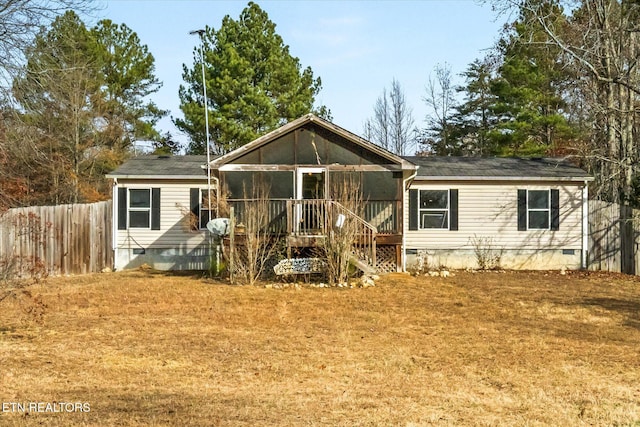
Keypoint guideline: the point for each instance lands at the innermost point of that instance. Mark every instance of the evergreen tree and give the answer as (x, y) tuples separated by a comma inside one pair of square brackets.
[(58, 90), (81, 98), (528, 92), (253, 83), (474, 117), (128, 70), (166, 145)]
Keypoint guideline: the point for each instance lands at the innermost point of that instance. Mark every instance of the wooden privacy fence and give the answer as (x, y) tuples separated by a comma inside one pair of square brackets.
[(614, 237), (63, 239)]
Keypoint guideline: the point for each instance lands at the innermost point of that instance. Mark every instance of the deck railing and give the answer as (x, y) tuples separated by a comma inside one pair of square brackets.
[(319, 217), (382, 214), (329, 218)]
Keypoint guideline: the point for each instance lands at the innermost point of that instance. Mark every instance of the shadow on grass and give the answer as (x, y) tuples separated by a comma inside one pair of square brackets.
[(192, 274), (630, 309)]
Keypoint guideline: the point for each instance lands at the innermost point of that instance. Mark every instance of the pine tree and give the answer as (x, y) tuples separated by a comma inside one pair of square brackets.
[(254, 84), (81, 104), (528, 91)]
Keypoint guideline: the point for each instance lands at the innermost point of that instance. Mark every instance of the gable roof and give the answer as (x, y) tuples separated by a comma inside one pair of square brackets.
[(300, 122), (496, 168), (162, 167)]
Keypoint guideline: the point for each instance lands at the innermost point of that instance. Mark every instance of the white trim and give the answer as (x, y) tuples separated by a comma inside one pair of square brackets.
[(406, 183), (585, 225), (548, 210), (114, 217), (422, 211), (503, 178), (164, 177), (301, 171), (202, 208), (299, 123), (129, 208)]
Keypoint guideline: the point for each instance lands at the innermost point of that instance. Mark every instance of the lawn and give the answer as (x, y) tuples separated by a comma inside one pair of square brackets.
[(153, 349)]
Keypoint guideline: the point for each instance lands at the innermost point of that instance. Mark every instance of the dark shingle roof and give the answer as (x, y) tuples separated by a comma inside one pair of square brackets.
[(162, 166), (436, 167), (496, 168)]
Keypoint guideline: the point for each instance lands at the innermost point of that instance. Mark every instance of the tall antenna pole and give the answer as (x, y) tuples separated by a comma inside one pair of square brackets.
[(206, 116)]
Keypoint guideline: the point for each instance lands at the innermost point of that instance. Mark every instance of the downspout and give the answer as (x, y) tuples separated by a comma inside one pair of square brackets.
[(585, 225), (217, 180), (405, 186)]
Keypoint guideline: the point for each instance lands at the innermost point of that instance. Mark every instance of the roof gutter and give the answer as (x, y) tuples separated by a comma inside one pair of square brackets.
[(171, 177), (503, 178)]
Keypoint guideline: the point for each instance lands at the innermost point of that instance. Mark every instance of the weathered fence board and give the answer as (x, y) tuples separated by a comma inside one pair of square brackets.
[(614, 237), (63, 239)]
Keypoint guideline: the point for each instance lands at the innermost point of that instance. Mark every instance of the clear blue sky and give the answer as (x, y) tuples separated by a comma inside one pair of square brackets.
[(355, 47)]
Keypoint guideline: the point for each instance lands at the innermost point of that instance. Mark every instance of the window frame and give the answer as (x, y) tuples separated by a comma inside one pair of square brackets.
[(446, 210), (139, 209), (547, 209), (203, 192)]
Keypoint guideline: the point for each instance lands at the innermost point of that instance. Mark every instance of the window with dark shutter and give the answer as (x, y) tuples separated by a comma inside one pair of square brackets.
[(413, 209), (155, 209), (433, 209), (522, 210), (122, 208), (555, 209), (538, 210), (194, 203), (453, 209)]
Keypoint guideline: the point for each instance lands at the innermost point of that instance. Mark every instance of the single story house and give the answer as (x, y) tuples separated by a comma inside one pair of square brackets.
[(420, 211)]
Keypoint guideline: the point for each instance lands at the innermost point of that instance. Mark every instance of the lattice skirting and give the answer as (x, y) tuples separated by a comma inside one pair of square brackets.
[(386, 258)]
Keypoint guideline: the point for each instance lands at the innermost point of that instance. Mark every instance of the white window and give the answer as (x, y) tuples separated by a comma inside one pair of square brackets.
[(433, 209), (205, 215), (538, 209), (139, 208)]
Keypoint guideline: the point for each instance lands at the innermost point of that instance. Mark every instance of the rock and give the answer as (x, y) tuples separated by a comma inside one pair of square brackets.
[(367, 281), (299, 266), (444, 273), (106, 270)]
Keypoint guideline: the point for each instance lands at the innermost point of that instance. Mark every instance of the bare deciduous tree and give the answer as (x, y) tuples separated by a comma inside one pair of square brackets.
[(391, 126), (440, 99)]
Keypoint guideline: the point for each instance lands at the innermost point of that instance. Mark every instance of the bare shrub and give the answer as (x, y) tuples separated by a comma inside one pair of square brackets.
[(488, 256), (423, 263), (339, 247), (253, 250)]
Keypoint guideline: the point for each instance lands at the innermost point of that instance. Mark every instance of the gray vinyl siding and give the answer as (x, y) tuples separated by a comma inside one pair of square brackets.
[(491, 211), (174, 229)]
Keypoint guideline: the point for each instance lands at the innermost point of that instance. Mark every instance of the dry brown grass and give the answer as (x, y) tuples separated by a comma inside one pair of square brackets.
[(147, 348)]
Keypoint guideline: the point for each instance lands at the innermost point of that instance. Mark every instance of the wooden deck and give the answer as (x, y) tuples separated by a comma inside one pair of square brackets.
[(307, 223)]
